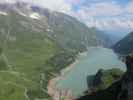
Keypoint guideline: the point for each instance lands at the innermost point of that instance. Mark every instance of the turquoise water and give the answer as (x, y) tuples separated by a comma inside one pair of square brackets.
[(96, 58)]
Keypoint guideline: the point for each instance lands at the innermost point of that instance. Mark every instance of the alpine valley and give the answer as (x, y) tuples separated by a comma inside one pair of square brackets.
[(35, 44)]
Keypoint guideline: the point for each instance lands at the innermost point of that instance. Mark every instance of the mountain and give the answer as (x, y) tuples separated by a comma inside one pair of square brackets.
[(114, 39), (119, 90), (124, 46), (36, 44), (104, 38), (65, 30)]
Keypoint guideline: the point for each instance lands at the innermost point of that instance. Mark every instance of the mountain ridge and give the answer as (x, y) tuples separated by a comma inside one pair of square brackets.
[(124, 46), (51, 18)]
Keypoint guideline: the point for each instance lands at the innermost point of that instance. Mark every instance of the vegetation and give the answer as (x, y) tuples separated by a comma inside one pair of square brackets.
[(35, 50), (3, 64), (31, 55), (120, 89), (105, 78), (62, 59)]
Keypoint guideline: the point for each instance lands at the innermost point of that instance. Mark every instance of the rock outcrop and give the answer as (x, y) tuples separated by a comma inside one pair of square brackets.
[(120, 90)]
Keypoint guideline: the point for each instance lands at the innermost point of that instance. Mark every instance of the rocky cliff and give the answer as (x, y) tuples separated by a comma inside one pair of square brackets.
[(124, 46), (120, 90)]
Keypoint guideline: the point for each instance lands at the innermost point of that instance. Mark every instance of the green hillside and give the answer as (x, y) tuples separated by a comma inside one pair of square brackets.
[(25, 53), (33, 50)]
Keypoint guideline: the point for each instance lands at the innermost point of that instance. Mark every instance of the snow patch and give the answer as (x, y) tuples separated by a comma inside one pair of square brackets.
[(35, 16), (3, 13), (22, 14), (49, 30)]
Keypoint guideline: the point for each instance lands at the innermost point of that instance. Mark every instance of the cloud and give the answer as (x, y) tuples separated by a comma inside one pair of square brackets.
[(74, 2), (104, 14), (111, 16), (101, 10), (9, 1), (130, 7), (105, 9), (92, 15), (57, 5)]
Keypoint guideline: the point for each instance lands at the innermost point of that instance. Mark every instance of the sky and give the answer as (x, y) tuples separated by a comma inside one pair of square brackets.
[(112, 16)]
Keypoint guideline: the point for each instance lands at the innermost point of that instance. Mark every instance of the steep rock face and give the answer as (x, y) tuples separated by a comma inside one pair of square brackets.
[(127, 81), (124, 46), (120, 90)]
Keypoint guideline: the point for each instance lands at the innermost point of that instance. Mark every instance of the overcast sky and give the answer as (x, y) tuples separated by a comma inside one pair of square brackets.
[(114, 15)]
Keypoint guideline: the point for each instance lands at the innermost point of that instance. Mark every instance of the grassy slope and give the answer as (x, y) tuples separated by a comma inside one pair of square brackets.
[(25, 58), (26, 61), (25, 71), (27, 51)]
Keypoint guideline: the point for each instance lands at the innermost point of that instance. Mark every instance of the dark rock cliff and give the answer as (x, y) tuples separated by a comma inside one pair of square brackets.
[(120, 90), (124, 46)]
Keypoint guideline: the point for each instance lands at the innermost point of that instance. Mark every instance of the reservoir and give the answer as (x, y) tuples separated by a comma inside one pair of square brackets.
[(95, 58)]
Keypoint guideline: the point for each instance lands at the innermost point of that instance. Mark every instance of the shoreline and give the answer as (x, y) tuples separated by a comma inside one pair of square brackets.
[(53, 91)]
